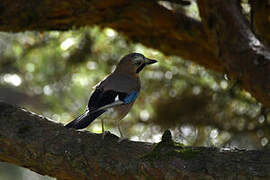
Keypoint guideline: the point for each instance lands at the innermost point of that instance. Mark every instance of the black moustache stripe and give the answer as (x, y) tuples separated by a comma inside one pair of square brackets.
[(140, 68)]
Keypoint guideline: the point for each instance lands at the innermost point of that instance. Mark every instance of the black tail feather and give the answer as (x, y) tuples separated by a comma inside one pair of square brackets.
[(84, 120)]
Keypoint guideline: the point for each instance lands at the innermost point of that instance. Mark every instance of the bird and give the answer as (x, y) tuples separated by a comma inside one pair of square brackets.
[(119, 90)]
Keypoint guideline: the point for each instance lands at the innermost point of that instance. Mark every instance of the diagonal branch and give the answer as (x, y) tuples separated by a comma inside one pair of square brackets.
[(261, 21), (31, 141), (245, 58)]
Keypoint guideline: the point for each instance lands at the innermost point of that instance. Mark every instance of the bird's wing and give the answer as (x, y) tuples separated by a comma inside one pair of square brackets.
[(98, 100), (103, 100)]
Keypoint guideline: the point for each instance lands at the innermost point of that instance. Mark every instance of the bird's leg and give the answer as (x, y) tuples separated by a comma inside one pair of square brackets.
[(104, 133), (122, 138), (102, 125), (119, 129)]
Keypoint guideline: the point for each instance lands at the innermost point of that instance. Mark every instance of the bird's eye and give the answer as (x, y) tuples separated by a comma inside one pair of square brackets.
[(137, 63)]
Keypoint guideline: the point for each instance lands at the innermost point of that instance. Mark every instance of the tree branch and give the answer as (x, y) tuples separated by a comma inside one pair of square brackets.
[(31, 141), (261, 20), (245, 58), (223, 42), (146, 22)]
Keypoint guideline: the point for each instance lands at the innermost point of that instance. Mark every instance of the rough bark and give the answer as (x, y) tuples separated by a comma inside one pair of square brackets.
[(146, 22), (223, 41), (48, 148), (260, 18), (244, 56)]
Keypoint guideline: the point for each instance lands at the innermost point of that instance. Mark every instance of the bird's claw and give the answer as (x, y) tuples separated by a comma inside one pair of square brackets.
[(105, 133), (121, 139)]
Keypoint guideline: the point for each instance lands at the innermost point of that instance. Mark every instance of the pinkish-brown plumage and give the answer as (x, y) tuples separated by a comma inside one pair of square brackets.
[(119, 91)]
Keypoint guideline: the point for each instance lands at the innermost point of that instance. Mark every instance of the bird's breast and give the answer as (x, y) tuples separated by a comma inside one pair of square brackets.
[(122, 110)]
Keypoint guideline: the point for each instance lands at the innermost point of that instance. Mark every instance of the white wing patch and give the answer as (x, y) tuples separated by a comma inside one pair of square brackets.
[(116, 103), (116, 98)]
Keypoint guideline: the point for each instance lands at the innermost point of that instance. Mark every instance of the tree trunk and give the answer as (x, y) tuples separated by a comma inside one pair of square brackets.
[(48, 148)]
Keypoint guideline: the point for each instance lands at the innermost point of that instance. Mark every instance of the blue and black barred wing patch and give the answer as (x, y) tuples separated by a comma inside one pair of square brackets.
[(128, 98)]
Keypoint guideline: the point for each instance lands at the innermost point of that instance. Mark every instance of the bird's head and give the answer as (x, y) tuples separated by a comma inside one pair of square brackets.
[(134, 63)]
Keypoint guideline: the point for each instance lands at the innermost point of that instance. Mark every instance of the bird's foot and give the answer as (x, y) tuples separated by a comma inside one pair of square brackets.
[(105, 133), (121, 139)]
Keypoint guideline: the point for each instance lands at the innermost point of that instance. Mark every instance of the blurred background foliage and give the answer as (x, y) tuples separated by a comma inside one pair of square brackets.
[(52, 74)]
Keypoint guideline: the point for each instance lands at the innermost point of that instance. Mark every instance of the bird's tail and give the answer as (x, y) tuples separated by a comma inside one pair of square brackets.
[(84, 120)]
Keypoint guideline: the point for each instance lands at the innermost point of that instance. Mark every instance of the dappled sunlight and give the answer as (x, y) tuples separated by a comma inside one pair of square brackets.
[(47, 90), (56, 71), (67, 43), (175, 93), (12, 79)]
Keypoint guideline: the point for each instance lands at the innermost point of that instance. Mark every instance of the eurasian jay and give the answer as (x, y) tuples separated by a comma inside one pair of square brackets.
[(118, 91)]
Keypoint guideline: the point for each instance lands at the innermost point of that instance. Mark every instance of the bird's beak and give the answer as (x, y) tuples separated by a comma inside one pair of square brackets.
[(146, 62), (150, 61)]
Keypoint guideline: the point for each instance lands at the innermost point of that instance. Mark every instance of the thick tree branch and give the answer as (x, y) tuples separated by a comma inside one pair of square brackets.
[(246, 59), (223, 43), (31, 141), (261, 20), (146, 22)]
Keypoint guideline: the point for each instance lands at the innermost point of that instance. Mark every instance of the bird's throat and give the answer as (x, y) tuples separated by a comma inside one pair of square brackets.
[(140, 68)]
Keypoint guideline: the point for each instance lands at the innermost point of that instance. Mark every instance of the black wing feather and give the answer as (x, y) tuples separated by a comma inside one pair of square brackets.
[(84, 120), (99, 98)]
